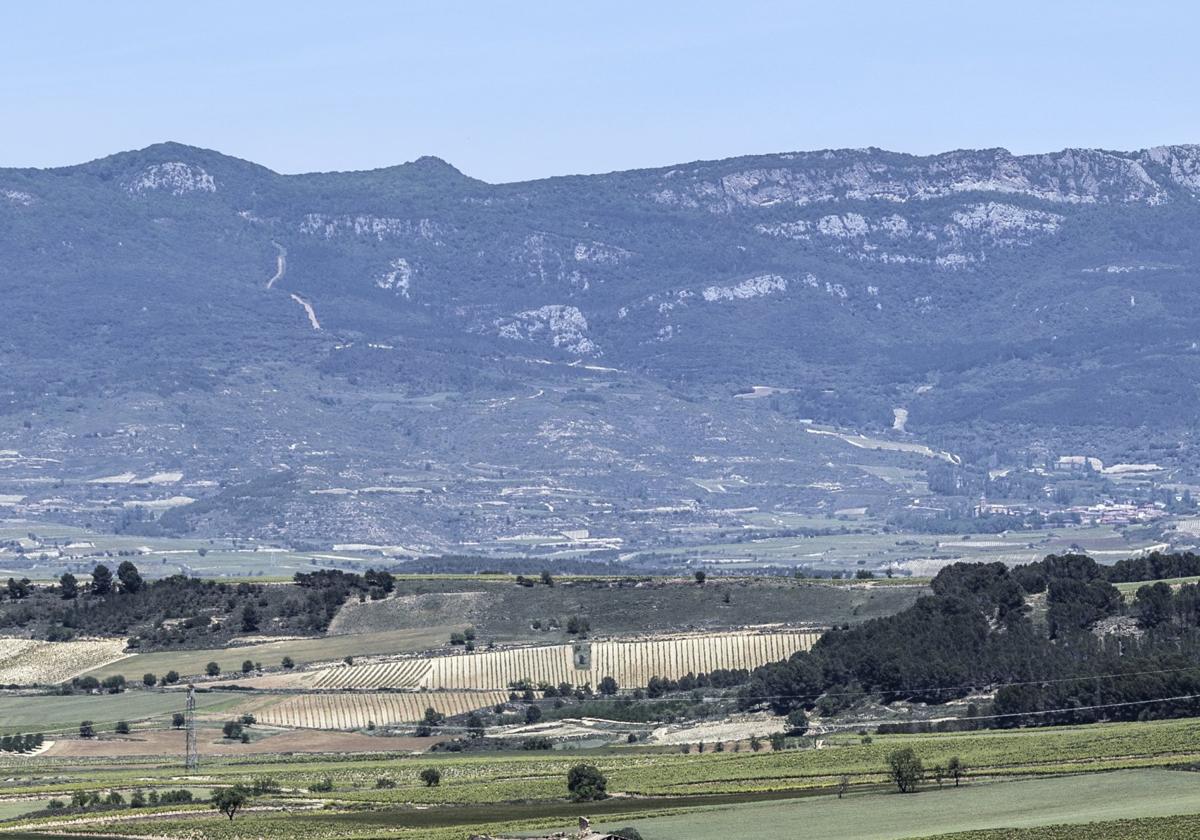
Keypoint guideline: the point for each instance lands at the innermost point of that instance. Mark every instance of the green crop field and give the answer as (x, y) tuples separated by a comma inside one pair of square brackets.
[(52, 714), (890, 816)]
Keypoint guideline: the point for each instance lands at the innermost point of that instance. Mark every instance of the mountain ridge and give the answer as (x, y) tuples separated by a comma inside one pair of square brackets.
[(160, 300)]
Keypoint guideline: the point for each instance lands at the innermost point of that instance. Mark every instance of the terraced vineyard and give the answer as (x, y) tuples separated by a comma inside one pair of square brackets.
[(331, 710), (33, 662), (630, 663)]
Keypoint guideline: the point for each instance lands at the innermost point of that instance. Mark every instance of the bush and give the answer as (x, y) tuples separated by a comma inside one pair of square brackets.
[(122, 727), (212, 669), (431, 776), (325, 785), (232, 730), (87, 729), (586, 783), (149, 679), (178, 720), (171, 678), (287, 662), (384, 782), (628, 833)]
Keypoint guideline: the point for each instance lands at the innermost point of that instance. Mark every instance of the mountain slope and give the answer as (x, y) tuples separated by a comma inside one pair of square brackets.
[(430, 333)]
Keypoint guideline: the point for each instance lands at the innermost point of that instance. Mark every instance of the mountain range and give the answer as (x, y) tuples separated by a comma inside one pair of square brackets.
[(410, 357)]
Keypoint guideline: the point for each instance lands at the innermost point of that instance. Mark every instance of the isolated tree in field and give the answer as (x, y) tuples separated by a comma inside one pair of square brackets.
[(232, 730), (171, 677), (797, 722), (122, 727), (586, 783), (247, 666), (101, 580), (431, 776), (287, 662), (230, 800), (843, 785), (149, 679), (131, 579), (956, 769), (905, 769), (212, 669), (701, 576), (178, 720), (68, 586), (475, 724), (547, 578), (87, 729)]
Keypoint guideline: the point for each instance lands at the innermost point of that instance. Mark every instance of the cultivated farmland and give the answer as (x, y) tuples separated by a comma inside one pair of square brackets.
[(331, 710), (33, 662), (630, 663)]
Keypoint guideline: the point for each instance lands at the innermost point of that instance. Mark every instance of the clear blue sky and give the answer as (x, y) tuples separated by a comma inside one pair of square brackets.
[(515, 90)]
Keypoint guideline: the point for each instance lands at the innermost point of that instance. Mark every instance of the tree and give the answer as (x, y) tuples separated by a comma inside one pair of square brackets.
[(547, 578), (131, 579), (178, 720), (149, 679), (433, 717), (533, 714), (586, 783), (797, 721), (778, 741), (475, 724), (608, 686), (212, 669), (114, 684), (287, 663), (232, 730), (843, 785), (249, 618), (956, 769), (431, 776), (68, 586), (905, 769), (171, 677), (101, 580), (247, 666), (701, 576), (122, 727), (628, 833), (230, 800), (87, 729), (755, 743)]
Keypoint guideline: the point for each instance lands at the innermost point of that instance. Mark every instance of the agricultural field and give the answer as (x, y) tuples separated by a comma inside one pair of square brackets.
[(50, 713), (336, 710), (1017, 780), (32, 662), (270, 653), (887, 816), (630, 663)]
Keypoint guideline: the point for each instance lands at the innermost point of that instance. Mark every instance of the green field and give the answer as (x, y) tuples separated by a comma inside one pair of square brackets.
[(1147, 828), (52, 714), (890, 816)]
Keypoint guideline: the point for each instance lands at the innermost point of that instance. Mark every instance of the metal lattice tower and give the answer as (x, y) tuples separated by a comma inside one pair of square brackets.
[(192, 758)]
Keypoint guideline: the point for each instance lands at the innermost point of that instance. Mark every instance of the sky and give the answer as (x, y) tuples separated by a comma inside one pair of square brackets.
[(511, 91)]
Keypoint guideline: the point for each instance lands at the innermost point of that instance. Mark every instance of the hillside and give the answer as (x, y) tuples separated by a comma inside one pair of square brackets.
[(412, 358)]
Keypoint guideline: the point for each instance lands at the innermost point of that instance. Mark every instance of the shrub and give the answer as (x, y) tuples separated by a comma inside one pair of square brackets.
[(122, 727), (287, 662), (149, 679), (431, 776), (171, 678), (384, 782), (325, 785), (87, 729), (212, 669), (178, 720)]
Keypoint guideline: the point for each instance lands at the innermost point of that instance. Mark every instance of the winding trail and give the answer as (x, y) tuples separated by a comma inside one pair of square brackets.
[(308, 309), (280, 264)]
